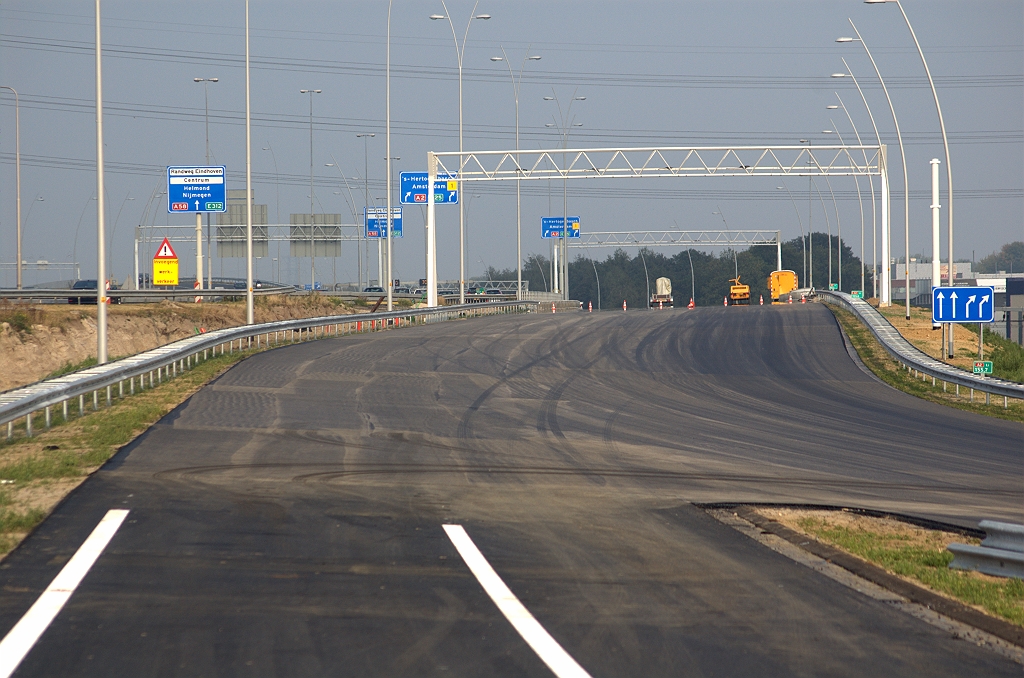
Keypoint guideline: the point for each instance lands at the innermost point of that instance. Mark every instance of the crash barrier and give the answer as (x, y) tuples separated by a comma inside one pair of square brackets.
[(1001, 554), (131, 373), (916, 361)]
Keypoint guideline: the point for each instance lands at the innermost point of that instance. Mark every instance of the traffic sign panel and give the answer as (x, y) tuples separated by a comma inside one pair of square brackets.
[(983, 367), (962, 304), (415, 189), (196, 189), (551, 227), (165, 265), (376, 222)]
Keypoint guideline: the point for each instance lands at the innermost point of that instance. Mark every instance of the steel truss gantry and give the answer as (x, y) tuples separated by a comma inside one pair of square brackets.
[(649, 162), (681, 238)]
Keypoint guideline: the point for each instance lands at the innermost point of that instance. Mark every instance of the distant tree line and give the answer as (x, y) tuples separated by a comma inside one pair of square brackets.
[(1009, 258), (622, 275)]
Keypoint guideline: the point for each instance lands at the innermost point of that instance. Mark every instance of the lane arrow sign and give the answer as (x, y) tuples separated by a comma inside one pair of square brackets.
[(952, 298), (967, 306), (197, 205), (940, 297), (982, 303)]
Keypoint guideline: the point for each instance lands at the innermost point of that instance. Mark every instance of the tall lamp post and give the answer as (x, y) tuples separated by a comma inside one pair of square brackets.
[(312, 219), (250, 311), (460, 50), (206, 97), (365, 136), (565, 123), (277, 207), (519, 221), (101, 254), (839, 227), (871, 184), (945, 145), (803, 244), (810, 234), (17, 168), (903, 157), (886, 297)]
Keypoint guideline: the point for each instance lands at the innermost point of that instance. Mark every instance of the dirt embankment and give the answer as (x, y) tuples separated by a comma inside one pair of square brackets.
[(36, 340)]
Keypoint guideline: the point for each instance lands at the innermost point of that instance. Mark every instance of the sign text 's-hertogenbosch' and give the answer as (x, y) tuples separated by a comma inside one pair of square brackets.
[(415, 188), (962, 304), (196, 189)]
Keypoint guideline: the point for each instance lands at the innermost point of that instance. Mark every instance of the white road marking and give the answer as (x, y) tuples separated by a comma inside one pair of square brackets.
[(19, 640), (546, 647)]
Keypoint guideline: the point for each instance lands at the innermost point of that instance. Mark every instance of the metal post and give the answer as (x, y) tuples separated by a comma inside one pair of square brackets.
[(101, 251), (249, 310), (431, 235), (17, 167), (199, 250), (390, 288), (936, 273)]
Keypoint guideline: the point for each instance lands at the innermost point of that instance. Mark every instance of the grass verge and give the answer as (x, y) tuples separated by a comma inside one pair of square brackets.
[(37, 472), (888, 370), (916, 554)]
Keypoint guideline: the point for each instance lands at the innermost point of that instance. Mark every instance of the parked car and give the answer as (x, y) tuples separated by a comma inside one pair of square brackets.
[(90, 285), (403, 290), (374, 290)]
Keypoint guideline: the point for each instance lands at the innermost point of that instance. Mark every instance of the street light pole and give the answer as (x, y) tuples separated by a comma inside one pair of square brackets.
[(803, 244), (312, 218), (596, 277), (886, 298), (519, 220), (945, 145), (250, 311), (839, 228), (277, 208), (209, 268), (459, 51), (810, 234), (860, 204), (17, 168), (566, 125), (871, 185), (903, 156), (101, 253), (366, 201)]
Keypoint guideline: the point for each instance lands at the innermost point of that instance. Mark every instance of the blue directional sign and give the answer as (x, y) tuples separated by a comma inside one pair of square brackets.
[(414, 189), (196, 189), (376, 221), (551, 227), (962, 305)]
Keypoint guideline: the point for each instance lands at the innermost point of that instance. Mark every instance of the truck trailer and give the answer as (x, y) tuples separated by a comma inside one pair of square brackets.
[(662, 296)]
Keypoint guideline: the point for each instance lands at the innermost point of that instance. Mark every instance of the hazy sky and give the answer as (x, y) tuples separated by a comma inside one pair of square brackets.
[(668, 73)]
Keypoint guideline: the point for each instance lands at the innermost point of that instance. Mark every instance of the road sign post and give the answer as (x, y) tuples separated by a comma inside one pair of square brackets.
[(165, 265), (962, 305), (376, 222), (414, 189)]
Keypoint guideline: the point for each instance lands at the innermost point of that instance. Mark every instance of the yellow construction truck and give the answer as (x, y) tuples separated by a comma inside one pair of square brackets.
[(739, 294), (781, 282)]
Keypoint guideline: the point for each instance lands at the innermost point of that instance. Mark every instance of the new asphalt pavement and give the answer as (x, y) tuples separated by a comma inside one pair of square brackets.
[(288, 519)]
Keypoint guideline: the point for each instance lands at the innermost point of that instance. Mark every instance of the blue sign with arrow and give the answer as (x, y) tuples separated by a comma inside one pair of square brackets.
[(196, 189), (414, 189), (551, 227), (962, 304), (376, 221)]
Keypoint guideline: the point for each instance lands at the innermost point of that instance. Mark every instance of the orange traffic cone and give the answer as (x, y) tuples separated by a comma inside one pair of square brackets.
[(691, 304), (791, 298), (623, 304), (762, 300), (660, 305), (590, 307), (725, 301), (803, 299), (552, 307)]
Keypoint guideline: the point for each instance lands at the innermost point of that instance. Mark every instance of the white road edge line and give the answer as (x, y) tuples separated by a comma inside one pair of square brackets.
[(546, 647), (20, 639)]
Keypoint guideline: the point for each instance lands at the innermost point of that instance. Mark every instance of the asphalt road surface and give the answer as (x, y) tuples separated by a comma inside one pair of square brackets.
[(288, 519)]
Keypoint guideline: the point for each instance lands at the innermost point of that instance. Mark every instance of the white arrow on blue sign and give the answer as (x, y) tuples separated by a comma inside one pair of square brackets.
[(196, 189), (962, 304)]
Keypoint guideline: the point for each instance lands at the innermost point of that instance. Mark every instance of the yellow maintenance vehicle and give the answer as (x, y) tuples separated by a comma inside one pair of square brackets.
[(739, 294), (780, 283)]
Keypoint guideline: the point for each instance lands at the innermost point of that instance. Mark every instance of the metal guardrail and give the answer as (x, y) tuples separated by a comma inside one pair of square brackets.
[(912, 358), (143, 294), (166, 361), (1001, 554)]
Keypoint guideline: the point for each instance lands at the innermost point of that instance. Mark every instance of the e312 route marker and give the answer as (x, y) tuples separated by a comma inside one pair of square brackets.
[(962, 304)]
